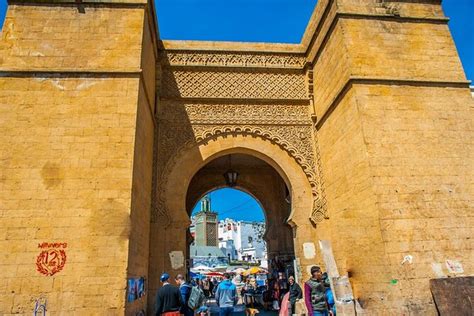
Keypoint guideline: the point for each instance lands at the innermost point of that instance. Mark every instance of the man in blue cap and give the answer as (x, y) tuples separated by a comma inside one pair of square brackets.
[(168, 298)]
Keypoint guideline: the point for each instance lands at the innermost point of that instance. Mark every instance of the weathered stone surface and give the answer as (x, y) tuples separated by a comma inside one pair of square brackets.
[(61, 38), (73, 158)]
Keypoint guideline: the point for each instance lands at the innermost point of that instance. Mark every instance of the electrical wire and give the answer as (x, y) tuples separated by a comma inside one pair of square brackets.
[(235, 207)]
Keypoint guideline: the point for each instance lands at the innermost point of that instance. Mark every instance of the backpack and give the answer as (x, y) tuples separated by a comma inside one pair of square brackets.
[(329, 297), (196, 298)]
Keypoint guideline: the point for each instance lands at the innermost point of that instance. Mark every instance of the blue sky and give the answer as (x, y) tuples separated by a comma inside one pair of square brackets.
[(280, 21), (234, 20), (234, 204)]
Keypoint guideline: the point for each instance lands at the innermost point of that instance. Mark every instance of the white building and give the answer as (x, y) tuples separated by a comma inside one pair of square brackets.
[(242, 240)]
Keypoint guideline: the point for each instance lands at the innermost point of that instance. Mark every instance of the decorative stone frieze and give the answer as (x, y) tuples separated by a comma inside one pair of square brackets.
[(320, 208), (233, 59), (233, 84), (236, 113)]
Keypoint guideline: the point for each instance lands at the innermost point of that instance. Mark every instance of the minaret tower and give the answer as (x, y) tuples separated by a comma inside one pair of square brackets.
[(206, 225)]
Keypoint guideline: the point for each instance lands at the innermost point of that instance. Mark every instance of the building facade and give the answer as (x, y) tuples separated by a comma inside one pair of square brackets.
[(243, 240), (110, 135), (207, 258)]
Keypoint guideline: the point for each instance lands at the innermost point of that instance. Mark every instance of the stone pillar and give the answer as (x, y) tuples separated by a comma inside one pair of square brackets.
[(304, 236), (168, 245), (77, 134), (394, 120)]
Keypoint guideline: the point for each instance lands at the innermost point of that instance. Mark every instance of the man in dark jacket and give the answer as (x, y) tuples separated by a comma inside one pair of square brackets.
[(168, 298), (185, 290), (295, 293), (226, 296), (315, 294)]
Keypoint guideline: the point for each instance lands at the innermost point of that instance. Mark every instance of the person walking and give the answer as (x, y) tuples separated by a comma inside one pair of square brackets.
[(185, 290), (295, 293), (168, 298), (283, 284), (315, 294), (211, 288), (226, 296), (205, 287), (267, 295), (276, 296)]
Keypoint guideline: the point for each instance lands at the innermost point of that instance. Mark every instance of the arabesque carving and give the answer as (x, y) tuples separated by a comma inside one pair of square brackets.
[(320, 211), (319, 202), (232, 84), (233, 59), (235, 113), (158, 214), (199, 105), (295, 140)]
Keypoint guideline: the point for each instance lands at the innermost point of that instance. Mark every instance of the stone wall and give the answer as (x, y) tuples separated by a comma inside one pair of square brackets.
[(394, 137), (138, 264), (421, 166), (71, 37), (353, 226), (71, 97)]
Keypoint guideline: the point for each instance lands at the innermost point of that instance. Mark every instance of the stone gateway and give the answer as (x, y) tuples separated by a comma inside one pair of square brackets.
[(359, 138)]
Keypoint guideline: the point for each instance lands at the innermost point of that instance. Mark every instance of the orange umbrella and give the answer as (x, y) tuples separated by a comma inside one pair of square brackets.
[(254, 270)]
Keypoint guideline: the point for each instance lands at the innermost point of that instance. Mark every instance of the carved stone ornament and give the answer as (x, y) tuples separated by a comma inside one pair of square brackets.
[(319, 198), (218, 83), (253, 113), (233, 59), (287, 125)]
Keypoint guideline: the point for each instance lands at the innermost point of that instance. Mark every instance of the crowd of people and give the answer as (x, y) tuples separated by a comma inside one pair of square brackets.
[(208, 286), (278, 293)]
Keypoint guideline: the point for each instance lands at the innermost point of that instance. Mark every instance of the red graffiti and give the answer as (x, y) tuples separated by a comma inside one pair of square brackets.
[(52, 260), (52, 245)]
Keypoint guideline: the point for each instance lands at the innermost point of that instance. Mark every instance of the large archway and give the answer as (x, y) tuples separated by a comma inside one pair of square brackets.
[(197, 169), (240, 224), (260, 180)]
